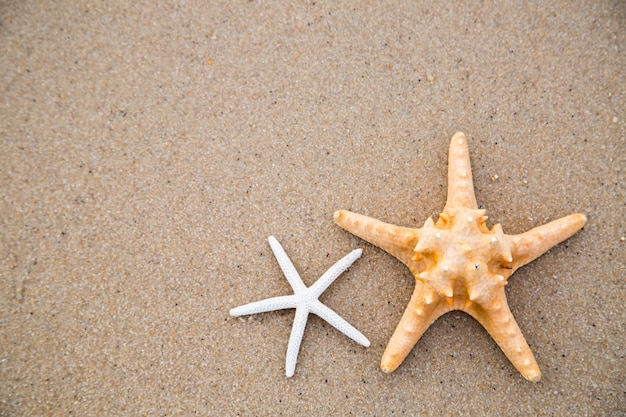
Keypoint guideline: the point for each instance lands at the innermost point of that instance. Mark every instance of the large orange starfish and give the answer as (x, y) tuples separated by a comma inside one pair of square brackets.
[(459, 264)]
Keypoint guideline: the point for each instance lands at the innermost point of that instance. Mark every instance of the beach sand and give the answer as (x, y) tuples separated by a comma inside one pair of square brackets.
[(148, 151)]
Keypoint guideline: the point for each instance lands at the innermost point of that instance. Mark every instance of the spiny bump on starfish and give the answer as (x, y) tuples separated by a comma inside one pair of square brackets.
[(305, 301), (460, 264)]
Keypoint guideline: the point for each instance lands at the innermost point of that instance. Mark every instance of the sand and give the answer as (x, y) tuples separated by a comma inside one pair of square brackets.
[(148, 151)]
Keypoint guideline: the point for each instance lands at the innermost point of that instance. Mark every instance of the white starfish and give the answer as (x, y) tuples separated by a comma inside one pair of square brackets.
[(305, 301)]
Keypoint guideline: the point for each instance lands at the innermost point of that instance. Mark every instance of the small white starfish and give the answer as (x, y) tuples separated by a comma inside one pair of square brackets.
[(305, 301)]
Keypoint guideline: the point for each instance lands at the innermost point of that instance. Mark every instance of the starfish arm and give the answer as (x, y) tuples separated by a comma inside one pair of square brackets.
[(528, 246), (295, 339), (333, 272), (423, 309), (495, 316), (339, 323), (287, 266), (396, 240), (460, 183), (271, 304)]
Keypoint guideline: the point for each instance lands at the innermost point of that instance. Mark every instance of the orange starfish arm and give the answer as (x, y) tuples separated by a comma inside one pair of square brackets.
[(460, 183), (530, 245), (495, 316), (424, 308), (396, 240)]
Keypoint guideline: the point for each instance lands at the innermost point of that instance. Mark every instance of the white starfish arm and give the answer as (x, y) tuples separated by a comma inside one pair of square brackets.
[(338, 323), (287, 266), (333, 272), (271, 304), (295, 339)]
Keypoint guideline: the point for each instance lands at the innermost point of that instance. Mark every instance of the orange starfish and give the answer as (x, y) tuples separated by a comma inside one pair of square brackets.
[(459, 264)]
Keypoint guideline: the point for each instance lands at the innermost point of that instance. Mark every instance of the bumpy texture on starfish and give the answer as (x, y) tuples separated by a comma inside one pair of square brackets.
[(459, 264), (305, 301)]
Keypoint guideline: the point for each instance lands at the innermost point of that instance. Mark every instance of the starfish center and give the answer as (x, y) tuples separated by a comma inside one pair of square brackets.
[(462, 258)]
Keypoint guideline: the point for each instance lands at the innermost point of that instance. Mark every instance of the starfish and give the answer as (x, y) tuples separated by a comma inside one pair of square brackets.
[(305, 301), (459, 264)]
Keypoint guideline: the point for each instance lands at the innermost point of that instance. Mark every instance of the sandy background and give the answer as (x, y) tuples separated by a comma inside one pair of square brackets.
[(146, 153)]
